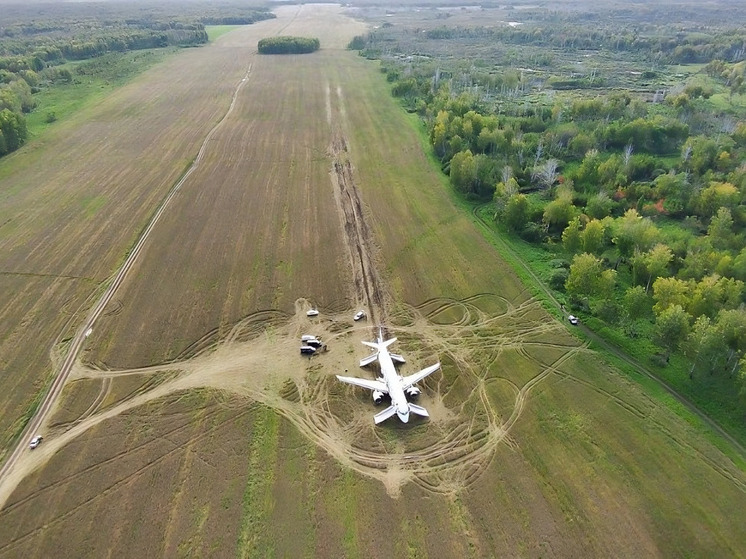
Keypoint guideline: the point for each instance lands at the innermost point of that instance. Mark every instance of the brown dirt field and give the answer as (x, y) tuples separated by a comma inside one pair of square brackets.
[(72, 203), (255, 227), (534, 448)]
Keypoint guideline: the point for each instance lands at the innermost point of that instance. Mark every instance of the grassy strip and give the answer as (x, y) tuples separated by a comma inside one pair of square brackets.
[(710, 393), (215, 31), (92, 81), (257, 498)]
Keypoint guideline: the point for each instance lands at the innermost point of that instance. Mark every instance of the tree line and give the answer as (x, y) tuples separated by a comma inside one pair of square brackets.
[(288, 45)]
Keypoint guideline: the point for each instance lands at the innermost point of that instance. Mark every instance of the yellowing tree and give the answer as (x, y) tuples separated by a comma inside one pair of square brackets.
[(593, 236), (668, 292), (587, 277)]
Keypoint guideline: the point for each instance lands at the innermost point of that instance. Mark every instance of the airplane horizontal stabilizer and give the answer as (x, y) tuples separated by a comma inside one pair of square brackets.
[(398, 358), (381, 345), (418, 376), (368, 360), (419, 410), (365, 383), (385, 414)]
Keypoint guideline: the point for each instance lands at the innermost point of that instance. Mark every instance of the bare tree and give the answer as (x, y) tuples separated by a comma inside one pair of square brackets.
[(539, 152), (507, 173), (546, 174), (628, 154), (686, 153)]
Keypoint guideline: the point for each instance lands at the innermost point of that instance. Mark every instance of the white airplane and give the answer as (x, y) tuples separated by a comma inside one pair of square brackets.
[(397, 387)]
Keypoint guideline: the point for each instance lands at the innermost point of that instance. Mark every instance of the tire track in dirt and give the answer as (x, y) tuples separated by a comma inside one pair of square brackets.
[(442, 455), (457, 452), (368, 287), (114, 486)]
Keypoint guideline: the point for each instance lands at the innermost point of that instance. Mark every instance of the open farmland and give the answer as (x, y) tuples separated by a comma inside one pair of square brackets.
[(191, 426), (73, 203)]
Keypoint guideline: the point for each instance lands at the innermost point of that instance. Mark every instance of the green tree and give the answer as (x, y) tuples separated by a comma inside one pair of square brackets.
[(739, 265), (636, 302), (516, 212), (656, 262), (463, 171), (503, 192), (714, 293), (720, 230), (599, 205), (588, 278), (668, 292), (593, 236), (717, 195), (587, 175), (560, 211), (571, 236), (704, 346), (632, 232), (671, 328), (732, 325)]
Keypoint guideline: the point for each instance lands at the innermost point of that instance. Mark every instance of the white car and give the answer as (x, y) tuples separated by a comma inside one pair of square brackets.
[(312, 312), (573, 320), (36, 441), (359, 316)]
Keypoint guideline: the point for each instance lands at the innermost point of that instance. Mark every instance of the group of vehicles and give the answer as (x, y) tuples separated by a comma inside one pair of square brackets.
[(310, 344)]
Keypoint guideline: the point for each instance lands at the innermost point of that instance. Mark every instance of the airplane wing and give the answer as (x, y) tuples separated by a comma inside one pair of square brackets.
[(385, 414), (365, 383), (417, 377)]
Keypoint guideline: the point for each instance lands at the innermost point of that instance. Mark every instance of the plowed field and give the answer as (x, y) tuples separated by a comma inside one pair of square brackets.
[(191, 426)]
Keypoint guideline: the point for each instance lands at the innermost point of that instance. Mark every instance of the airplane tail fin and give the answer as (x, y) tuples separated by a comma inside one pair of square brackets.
[(419, 410), (385, 414)]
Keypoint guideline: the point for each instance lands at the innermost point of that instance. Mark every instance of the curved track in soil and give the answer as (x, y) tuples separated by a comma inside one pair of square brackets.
[(259, 359)]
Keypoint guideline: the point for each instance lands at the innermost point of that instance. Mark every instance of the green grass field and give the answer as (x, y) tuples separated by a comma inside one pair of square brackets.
[(215, 31), (93, 80)]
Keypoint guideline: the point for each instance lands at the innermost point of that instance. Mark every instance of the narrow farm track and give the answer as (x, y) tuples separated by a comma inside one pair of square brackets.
[(82, 333)]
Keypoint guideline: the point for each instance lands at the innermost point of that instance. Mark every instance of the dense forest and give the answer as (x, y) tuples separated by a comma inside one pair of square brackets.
[(36, 42), (621, 169)]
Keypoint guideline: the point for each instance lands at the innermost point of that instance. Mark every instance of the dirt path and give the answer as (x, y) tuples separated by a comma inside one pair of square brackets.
[(7, 472)]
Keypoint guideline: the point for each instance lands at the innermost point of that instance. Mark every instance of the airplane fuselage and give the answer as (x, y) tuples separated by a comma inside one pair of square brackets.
[(394, 383)]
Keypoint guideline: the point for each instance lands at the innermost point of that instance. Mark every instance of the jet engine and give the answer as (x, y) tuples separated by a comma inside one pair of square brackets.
[(377, 397), (413, 391)]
